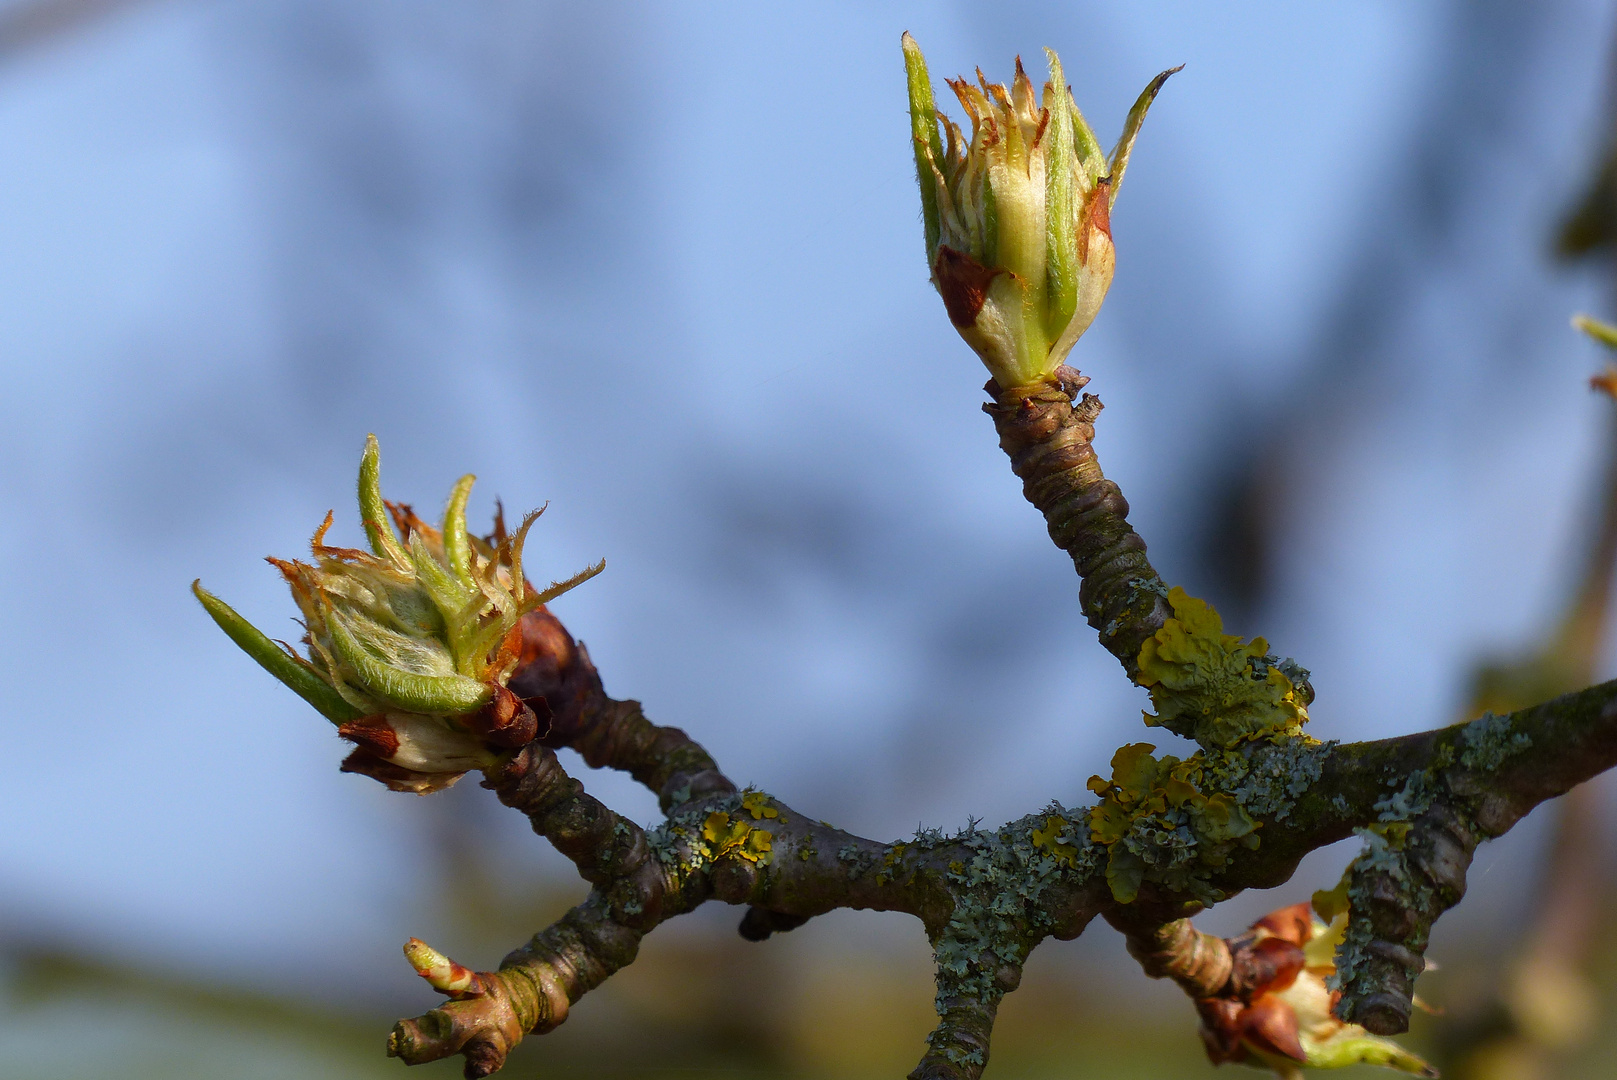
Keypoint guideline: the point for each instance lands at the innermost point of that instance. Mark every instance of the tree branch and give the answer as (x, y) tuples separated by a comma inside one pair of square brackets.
[(1049, 441), (988, 897)]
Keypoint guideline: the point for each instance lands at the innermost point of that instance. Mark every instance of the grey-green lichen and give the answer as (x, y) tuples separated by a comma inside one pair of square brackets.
[(1380, 875), (1489, 740), (1175, 823), (1383, 868), (1268, 779), (998, 889), (856, 858), (1383, 877), (1139, 588), (1410, 801)]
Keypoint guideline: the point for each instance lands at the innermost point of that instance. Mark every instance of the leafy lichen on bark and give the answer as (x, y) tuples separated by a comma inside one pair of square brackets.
[(1214, 688)]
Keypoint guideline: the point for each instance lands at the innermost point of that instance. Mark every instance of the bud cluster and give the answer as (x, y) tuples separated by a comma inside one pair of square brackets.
[(1279, 1011), (410, 645)]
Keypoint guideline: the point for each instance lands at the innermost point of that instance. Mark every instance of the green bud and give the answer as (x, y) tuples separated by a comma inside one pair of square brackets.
[(410, 643), (1018, 216), (442, 973)]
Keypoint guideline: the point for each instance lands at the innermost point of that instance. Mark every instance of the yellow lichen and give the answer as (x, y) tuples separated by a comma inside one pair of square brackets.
[(1211, 686), (1395, 833), (758, 805), (736, 839), (1163, 795), (1048, 840), (893, 858), (1332, 903)]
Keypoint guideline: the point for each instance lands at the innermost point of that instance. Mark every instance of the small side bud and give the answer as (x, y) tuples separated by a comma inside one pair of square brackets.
[(442, 973), (505, 721)]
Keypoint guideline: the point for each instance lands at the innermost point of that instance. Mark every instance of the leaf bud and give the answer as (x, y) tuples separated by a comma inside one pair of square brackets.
[(1018, 215), (409, 645)]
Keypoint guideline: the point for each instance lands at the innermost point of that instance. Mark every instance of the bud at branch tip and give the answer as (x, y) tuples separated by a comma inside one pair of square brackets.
[(442, 973), (1017, 216)]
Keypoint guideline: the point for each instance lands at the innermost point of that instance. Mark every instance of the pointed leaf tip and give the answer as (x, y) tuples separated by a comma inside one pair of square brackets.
[(373, 511), (928, 144), (296, 676), (1602, 332), (457, 545), (1131, 129)]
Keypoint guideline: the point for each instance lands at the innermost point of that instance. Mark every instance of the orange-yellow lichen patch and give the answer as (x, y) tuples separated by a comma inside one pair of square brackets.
[(1213, 687)]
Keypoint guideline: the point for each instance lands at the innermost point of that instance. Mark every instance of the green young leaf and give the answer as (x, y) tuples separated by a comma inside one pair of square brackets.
[(1060, 218), (1083, 137), (441, 695), (1355, 1046), (1131, 129), (928, 145), (457, 548), (373, 513), (1604, 333), (298, 677)]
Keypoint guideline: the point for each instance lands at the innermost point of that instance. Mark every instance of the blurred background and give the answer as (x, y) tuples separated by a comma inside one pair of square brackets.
[(661, 265)]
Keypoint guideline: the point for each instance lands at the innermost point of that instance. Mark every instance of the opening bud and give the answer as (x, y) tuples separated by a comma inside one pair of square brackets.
[(1277, 1009), (410, 644), (1018, 215)]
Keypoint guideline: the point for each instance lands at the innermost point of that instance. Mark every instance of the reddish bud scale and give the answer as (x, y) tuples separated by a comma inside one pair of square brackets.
[(1221, 1029), (1271, 1025), (396, 777), (963, 283), (373, 734), (1294, 924), (1268, 966), (1098, 216), (554, 677), (506, 721)]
